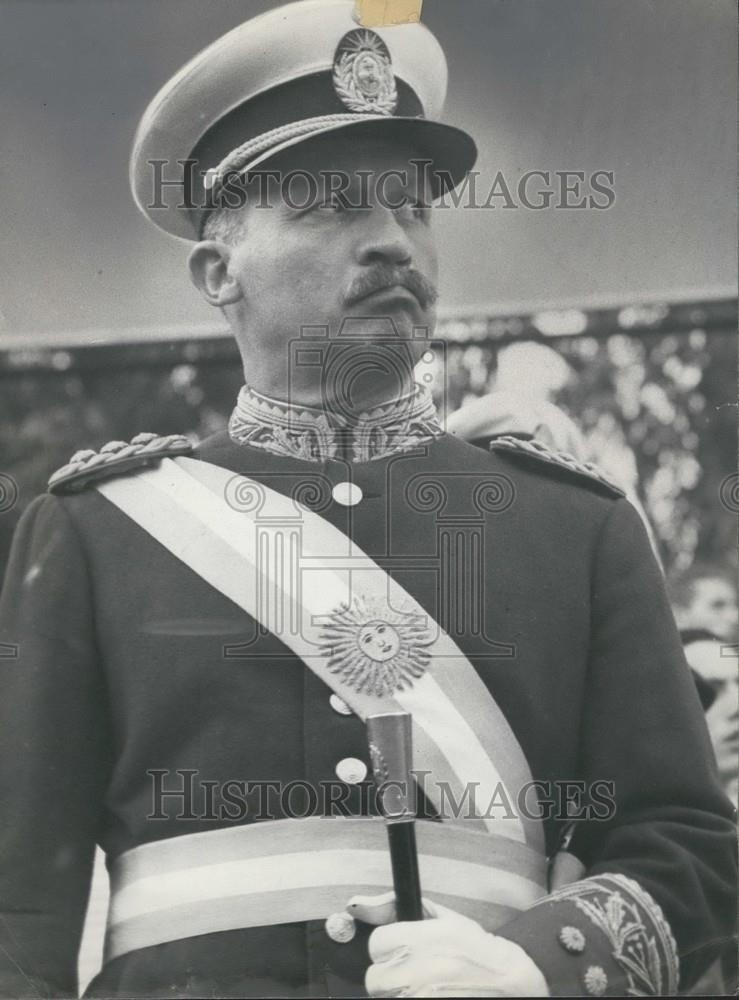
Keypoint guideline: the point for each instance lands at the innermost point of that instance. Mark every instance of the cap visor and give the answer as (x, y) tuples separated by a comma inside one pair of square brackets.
[(450, 152)]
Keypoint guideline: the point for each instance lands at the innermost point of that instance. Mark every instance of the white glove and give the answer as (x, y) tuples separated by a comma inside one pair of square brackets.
[(446, 956)]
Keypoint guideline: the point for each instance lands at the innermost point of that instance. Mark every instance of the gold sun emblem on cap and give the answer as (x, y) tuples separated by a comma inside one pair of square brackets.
[(377, 650), (363, 75)]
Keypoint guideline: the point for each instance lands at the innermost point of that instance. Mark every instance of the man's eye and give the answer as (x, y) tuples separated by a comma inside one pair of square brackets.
[(331, 204), (415, 208)]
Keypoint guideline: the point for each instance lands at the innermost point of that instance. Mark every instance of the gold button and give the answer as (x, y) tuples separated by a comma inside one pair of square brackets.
[(340, 927), (351, 770), (339, 705)]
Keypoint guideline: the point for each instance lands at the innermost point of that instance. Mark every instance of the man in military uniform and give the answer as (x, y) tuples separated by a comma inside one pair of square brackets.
[(196, 627)]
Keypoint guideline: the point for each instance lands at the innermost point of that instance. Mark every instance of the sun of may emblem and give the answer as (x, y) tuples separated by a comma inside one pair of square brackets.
[(375, 649), (363, 75)]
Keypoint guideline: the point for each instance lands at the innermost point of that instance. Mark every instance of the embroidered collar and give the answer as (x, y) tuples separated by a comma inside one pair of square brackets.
[(314, 435)]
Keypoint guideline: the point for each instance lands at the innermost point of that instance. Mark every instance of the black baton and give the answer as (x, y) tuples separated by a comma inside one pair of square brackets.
[(391, 753)]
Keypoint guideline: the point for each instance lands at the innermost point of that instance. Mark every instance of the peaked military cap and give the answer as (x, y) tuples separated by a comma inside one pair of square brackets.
[(291, 75)]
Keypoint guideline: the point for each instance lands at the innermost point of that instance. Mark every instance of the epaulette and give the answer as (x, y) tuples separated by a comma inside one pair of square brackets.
[(114, 459), (585, 472)]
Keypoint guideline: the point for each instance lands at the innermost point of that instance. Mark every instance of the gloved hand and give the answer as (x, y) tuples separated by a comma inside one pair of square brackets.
[(448, 955)]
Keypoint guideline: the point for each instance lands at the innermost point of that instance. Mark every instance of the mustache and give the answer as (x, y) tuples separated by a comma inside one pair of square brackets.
[(385, 276)]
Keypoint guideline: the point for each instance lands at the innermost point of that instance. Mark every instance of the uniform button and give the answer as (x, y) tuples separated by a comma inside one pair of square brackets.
[(572, 939), (351, 770), (347, 494), (339, 705), (596, 981), (340, 927)]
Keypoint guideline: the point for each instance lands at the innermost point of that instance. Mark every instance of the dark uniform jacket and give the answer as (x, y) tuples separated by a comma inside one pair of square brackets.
[(120, 660)]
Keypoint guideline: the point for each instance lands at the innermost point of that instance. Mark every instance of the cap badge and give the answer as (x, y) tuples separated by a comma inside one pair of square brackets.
[(363, 75), (376, 649)]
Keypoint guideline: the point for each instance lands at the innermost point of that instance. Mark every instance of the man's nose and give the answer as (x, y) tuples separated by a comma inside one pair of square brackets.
[(383, 239)]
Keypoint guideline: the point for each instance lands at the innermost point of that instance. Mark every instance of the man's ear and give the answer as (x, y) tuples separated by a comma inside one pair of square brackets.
[(209, 272)]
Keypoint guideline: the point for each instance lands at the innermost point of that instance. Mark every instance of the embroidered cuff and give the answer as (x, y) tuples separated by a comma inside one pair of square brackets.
[(602, 936)]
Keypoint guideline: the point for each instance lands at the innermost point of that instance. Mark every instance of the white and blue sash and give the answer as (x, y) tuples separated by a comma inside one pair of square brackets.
[(374, 645)]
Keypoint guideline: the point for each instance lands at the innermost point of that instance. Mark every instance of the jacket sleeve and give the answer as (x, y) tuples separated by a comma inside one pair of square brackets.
[(53, 754), (657, 902)]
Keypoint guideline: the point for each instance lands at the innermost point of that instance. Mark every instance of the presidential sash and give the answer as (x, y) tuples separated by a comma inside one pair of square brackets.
[(359, 631)]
